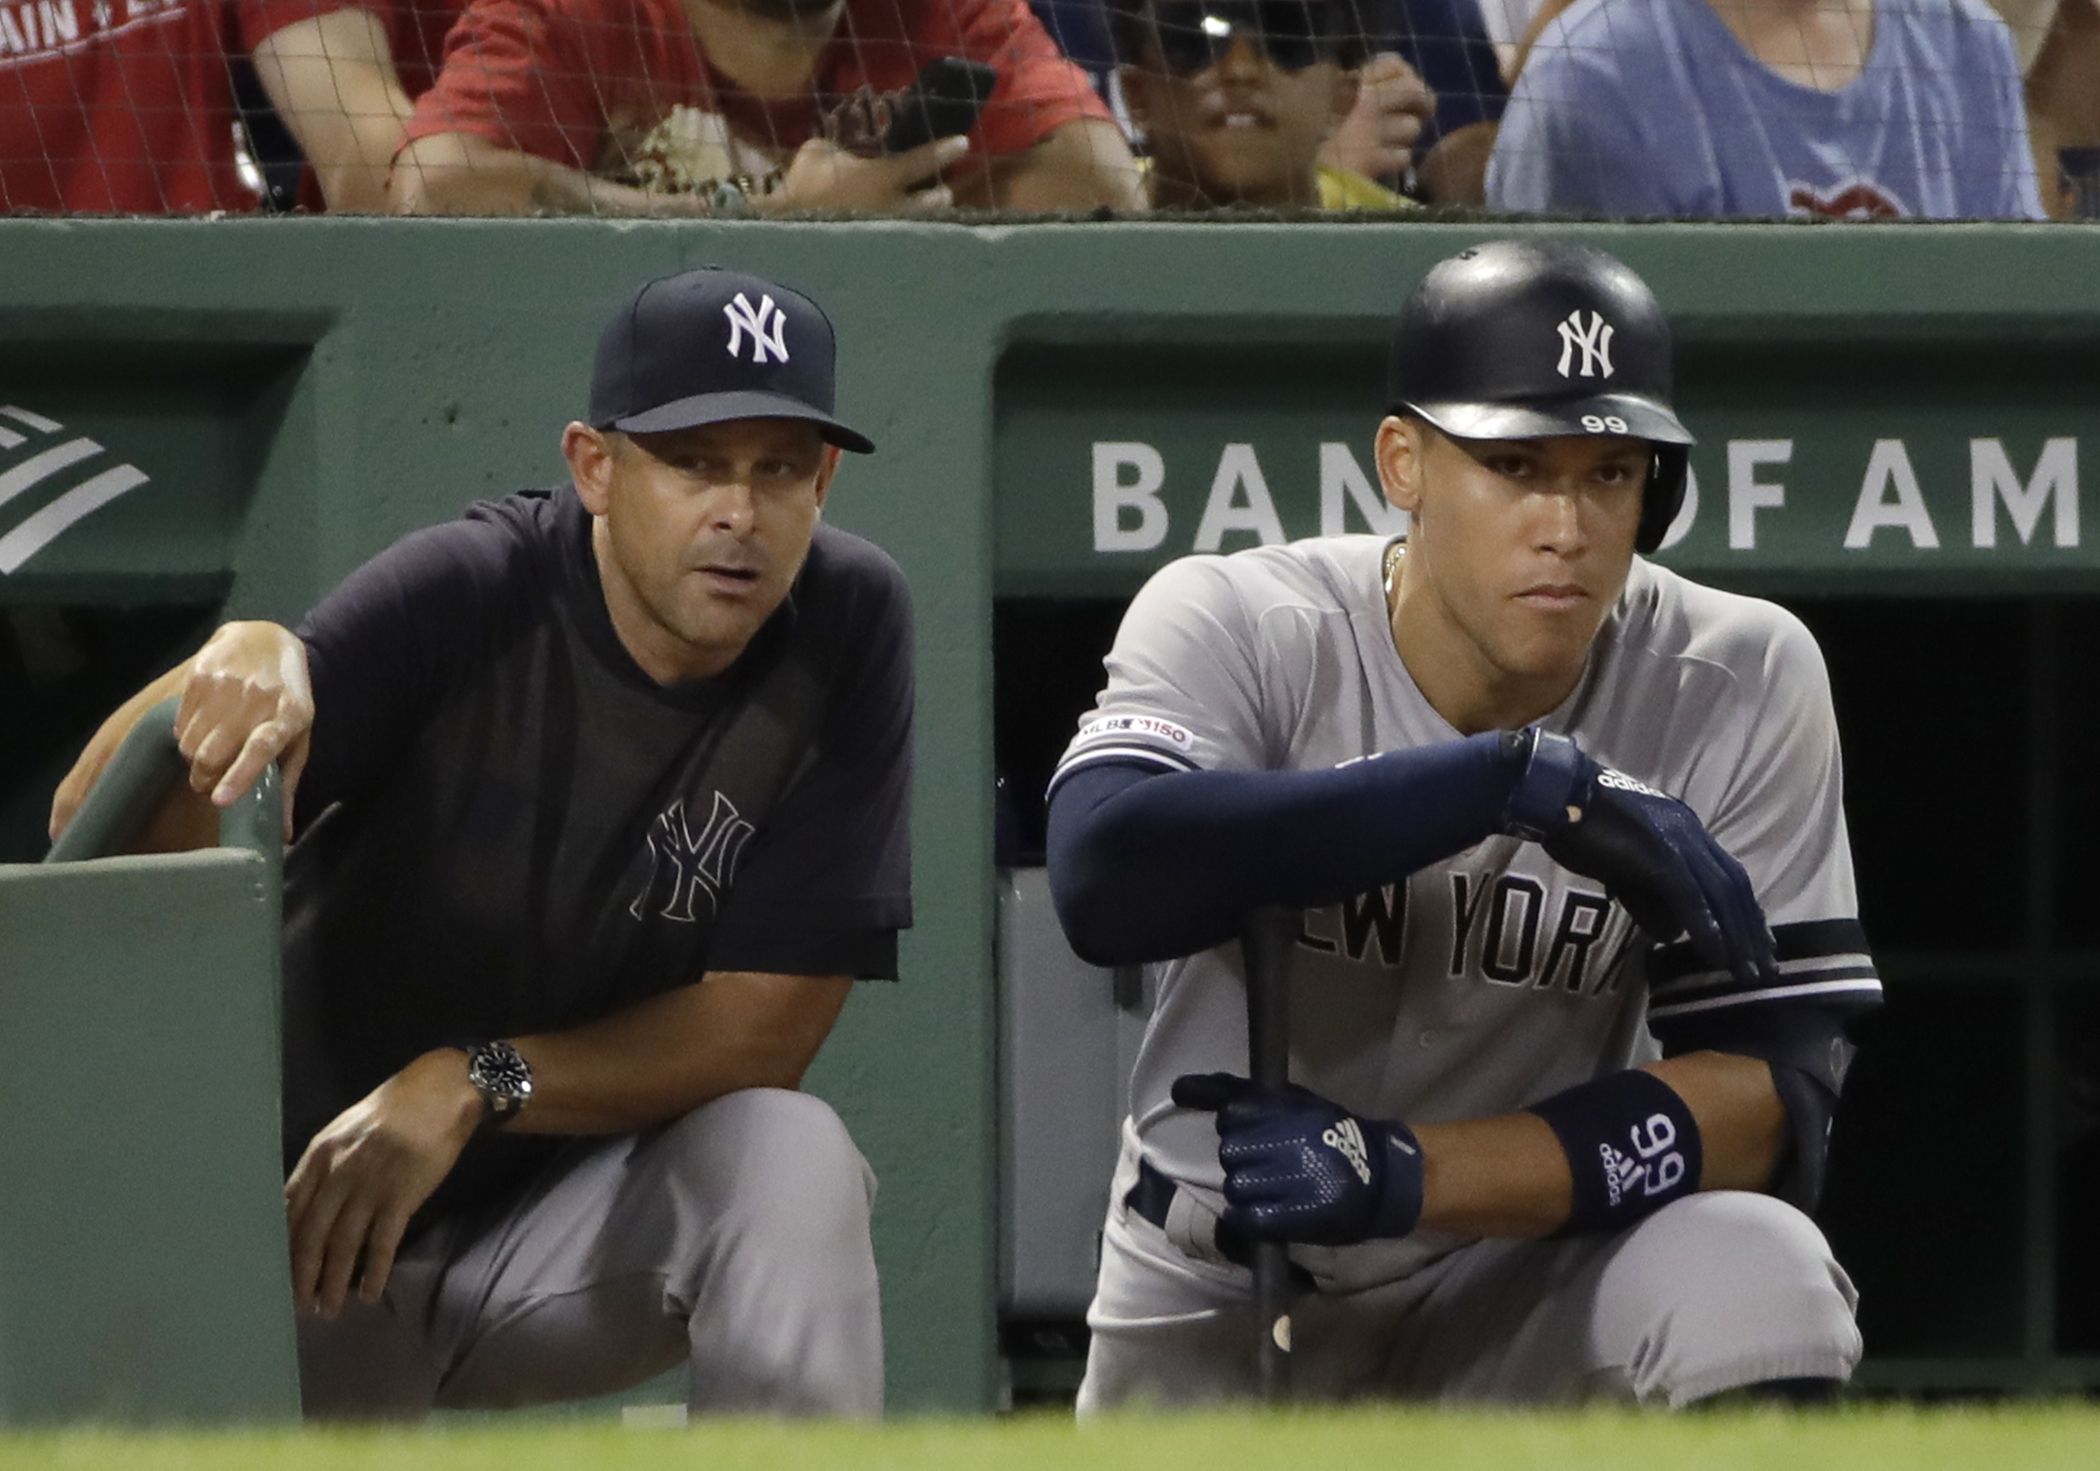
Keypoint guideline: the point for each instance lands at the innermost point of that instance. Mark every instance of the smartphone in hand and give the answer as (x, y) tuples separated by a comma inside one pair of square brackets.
[(943, 102)]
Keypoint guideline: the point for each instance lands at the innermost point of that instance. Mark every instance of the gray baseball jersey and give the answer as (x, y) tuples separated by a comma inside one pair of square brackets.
[(1483, 983)]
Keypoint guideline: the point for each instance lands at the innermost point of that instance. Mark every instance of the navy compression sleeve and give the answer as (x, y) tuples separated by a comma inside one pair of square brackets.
[(1148, 864)]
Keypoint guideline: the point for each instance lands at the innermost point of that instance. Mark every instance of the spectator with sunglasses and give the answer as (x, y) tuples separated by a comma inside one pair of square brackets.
[(1235, 98)]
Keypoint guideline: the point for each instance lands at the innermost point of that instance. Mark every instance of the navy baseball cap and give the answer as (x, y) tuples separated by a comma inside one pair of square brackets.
[(708, 346)]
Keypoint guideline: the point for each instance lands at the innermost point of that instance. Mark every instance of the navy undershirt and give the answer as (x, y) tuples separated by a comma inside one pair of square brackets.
[(1147, 864)]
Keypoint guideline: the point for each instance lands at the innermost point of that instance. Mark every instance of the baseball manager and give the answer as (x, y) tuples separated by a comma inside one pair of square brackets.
[(1575, 921), (600, 809)]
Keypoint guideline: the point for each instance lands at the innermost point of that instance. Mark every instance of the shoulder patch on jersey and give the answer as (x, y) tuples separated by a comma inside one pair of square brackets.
[(1122, 727)]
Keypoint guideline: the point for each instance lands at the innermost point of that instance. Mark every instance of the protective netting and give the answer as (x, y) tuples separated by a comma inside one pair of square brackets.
[(1613, 108)]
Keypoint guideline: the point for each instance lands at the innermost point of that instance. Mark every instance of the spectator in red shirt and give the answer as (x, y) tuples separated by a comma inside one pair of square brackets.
[(126, 106), (662, 107), (343, 84), (346, 83)]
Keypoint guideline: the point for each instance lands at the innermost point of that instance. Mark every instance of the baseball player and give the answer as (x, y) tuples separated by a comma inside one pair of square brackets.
[(1559, 1097), (600, 808)]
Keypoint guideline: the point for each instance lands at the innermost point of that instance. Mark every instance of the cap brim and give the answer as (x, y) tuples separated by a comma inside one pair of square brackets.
[(720, 408), (1643, 418)]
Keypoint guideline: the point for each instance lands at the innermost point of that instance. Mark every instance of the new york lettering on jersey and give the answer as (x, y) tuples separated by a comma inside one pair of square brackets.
[(1546, 932)]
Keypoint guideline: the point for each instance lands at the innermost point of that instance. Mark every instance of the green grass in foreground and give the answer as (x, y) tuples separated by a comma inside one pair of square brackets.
[(2029, 1437)]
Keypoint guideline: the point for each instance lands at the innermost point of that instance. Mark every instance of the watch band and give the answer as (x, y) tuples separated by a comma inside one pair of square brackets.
[(502, 1077)]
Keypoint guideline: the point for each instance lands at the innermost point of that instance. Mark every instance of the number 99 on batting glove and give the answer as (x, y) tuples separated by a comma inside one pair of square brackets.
[(1647, 848), (1299, 1168)]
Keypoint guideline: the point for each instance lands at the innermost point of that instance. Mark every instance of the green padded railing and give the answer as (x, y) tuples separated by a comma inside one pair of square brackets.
[(139, 776), (143, 1264)]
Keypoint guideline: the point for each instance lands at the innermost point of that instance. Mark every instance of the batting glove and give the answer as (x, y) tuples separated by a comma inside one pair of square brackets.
[(1298, 1168), (1650, 851)]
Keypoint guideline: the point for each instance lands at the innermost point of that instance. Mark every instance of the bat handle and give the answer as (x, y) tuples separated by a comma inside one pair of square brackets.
[(1272, 1310), (1265, 945)]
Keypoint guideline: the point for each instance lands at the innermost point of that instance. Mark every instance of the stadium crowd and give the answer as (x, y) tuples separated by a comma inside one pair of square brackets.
[(1622, 108)]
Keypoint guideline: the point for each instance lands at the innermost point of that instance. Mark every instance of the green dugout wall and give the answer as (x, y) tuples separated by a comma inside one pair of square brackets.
[(234, 413)]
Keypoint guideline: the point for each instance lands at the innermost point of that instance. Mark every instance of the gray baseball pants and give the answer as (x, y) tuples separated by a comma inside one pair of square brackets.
[(1713, 1292), (734, 1239)]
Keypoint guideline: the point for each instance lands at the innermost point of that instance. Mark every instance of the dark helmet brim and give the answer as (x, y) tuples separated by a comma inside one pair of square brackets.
[(1643, 417)]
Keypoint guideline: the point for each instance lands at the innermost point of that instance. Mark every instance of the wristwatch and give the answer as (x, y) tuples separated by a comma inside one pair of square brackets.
[(502, 1077)]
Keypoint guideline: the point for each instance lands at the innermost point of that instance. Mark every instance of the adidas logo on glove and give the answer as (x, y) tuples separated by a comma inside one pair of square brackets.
[(1619, 781), (1347, 1139)]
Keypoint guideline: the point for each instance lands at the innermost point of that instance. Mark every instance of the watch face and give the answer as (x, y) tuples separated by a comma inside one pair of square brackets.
[(500, 1074)]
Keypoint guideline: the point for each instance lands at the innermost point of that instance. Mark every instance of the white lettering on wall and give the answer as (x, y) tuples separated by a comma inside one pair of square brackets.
[(1747, 495), (1229, 510), (1889, 469), (1342, 480), (1681, 524), (1113, 495), (2038, 499), (1992, 478)]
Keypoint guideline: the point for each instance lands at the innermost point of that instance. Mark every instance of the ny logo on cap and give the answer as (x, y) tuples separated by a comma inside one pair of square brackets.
[(742, 319), (1593, 342)]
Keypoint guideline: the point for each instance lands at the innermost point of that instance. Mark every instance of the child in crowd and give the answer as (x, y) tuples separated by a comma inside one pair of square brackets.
[(1234, 98)]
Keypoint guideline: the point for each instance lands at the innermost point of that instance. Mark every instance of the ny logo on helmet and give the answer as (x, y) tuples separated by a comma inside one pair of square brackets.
[(1593, 342), (743, 318)]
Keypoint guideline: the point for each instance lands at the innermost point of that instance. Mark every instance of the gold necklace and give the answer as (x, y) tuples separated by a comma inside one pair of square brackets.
[(1393, 555)]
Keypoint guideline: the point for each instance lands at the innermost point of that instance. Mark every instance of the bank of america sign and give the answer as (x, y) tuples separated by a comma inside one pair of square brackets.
[(37, 455)]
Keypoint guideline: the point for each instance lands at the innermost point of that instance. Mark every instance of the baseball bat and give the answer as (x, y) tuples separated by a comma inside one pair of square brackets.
[(1265, 945)]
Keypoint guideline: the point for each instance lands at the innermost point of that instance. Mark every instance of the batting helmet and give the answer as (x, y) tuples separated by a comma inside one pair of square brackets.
[(1521, 339)]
